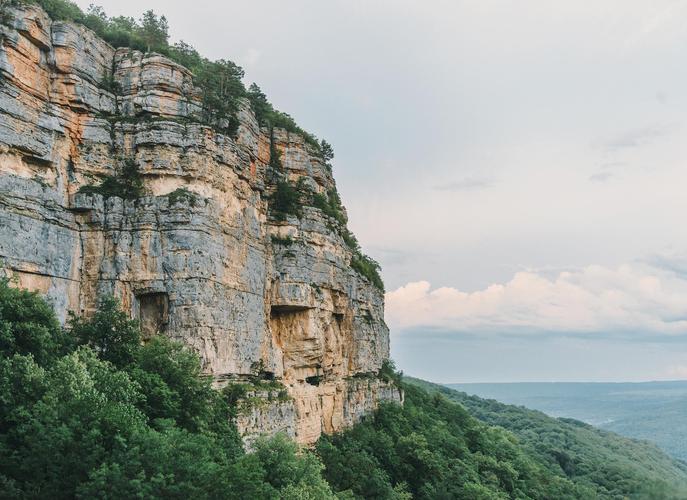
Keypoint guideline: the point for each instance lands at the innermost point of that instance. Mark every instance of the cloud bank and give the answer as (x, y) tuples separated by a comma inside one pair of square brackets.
[(636, 298)]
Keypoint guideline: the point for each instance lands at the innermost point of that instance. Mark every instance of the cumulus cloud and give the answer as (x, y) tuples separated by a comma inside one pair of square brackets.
[(636, 298)]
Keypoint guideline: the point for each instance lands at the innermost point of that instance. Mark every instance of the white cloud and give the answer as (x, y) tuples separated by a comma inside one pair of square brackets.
[(675, 372), (631, 298)]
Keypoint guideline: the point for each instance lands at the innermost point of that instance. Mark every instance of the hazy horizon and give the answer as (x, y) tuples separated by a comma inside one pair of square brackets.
[(558, 382), (516, 168)]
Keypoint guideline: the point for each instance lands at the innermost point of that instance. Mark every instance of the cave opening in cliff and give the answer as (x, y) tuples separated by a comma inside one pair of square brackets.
[(153, 312)]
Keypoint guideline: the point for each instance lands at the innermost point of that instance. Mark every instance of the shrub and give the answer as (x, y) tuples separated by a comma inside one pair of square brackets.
[(127, 184), (367, 267), (285, 201), (388, 373), (286, 241), (182, 195), (269, 117), (330, 204), (275, 155)]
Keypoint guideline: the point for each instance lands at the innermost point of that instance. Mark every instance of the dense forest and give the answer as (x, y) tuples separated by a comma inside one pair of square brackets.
[(88, 410), (613, 466), (653, 411)]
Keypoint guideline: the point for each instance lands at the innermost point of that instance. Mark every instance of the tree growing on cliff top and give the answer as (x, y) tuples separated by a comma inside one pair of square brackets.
[(154, 31), (327, 151)]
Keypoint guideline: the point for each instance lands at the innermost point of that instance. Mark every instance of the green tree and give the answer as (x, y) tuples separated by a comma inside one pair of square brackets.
[(285, 201), (28, 326), (154, 31), (327, 151), (261, 106), (110, 332)]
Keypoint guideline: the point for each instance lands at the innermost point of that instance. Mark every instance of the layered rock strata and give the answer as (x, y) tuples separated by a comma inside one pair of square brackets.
[(197, 257)]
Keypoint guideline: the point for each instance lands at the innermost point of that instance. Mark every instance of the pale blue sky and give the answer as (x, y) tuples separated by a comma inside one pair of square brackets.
[(480, 139)]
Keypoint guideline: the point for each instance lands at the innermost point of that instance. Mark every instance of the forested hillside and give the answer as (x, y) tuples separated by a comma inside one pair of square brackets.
[(652, 411), (90, 411), (613, 466)]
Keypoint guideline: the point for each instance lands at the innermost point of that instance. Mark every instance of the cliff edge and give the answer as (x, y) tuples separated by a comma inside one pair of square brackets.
[(196, 252)]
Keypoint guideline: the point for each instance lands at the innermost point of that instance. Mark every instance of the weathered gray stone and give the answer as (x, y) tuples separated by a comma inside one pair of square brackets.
[(195, 256)]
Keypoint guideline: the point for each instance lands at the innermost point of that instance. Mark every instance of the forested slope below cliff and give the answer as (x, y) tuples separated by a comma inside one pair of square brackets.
[(612, 465)]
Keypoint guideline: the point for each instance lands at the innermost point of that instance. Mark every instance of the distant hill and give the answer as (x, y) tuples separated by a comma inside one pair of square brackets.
[(655, 411), (614, 466)]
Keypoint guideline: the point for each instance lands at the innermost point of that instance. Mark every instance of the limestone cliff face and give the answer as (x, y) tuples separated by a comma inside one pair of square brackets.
[(197, 258)]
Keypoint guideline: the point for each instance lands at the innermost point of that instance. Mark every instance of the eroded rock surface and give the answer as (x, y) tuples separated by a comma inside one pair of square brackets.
[(197, 257)]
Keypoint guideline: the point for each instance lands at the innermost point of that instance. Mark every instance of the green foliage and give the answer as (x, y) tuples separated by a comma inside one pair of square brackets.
[(432, 448), (154, 31), (285, 241), (388, 373), (93, 413), (275, 155), (126, 184), (110, 84), (220, 82), (327, 151), (269, 117), (330, 204), (28, 326), (183, 196), (369, 268), (608, 465), (261, 106), (110, 333), (286, 200)]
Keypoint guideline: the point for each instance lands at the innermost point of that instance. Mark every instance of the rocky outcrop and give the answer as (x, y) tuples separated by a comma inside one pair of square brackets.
[(196, 257)]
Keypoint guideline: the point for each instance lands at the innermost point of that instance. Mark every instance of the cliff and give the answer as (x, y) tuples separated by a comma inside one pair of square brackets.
[(197, 256)]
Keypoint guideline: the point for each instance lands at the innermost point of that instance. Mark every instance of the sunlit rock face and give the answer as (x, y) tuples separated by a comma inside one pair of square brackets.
[(196, 258)]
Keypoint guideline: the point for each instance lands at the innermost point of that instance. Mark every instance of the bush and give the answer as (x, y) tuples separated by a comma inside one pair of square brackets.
[(275, 155), (127, 184), (269, 117), (182, 195), (285, 201), (388, 373), (330, 204), (369, 268), (285, 242)]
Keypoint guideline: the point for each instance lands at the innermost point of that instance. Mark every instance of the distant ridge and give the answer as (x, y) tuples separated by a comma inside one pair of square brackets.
[(655, 411)]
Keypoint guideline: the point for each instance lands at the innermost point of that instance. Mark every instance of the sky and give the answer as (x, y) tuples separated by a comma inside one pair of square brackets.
[(517, 168)]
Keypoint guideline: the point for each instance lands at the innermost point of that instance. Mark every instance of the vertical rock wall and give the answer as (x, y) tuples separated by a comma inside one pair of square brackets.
[(197, 258)]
